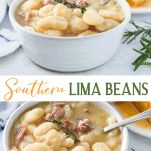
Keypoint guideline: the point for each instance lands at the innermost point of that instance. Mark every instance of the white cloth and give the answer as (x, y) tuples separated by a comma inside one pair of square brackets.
[(3, 8), (8, 42), (6, 109), (8, 2), (8, 39)]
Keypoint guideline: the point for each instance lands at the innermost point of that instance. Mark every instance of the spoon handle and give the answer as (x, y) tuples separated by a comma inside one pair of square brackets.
[(138, 117)]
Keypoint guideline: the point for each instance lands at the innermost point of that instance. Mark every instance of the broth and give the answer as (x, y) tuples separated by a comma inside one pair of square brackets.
[(69, 17), (64, 127)]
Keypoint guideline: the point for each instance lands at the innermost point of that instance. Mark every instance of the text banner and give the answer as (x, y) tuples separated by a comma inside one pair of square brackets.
[(75, 88)]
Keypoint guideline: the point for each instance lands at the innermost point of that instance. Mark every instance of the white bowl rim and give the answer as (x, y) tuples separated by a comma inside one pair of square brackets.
[(140, 131), (12, 19), (27, 105), (141, 10)]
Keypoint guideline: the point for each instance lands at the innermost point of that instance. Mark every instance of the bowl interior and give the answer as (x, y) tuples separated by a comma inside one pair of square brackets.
[(124, 4), (105, 106)]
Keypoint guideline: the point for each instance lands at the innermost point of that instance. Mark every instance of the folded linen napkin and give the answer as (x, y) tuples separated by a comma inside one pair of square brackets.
[(8, 42), (6, 109), (8, 2), (8, 39), (3, 8)]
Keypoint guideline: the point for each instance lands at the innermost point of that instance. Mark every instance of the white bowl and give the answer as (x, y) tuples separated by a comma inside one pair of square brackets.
[(105, 106), (70, 54)]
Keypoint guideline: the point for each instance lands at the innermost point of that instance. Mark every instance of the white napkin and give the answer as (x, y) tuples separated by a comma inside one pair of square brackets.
[(8, 2), (8, 42), (3, 8), (8, 39), (6, 109)]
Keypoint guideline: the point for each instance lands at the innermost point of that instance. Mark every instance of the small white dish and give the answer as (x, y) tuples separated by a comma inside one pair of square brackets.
[(136, 129), (107, 107), (70, 54), (141, 10), (140, 131)]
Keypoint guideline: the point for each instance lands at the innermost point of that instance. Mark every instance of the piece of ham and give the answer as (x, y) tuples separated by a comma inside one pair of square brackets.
[(86, 110), (81, 3), (60, 104), (20, 133), (57, 113), (26, 15), (68, 124), (46, 2), (84, 125)]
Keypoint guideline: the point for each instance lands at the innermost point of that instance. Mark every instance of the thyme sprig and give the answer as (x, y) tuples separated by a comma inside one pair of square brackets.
[(66, 130), (145, 41), (72, 6)]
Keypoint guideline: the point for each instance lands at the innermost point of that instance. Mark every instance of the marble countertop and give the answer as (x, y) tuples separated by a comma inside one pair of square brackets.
[(18, 63)]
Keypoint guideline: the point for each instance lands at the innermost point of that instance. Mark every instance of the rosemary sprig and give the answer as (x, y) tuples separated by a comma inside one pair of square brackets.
[(129, 35), (145, 41), (72, 6), (67, 131), (83, 9)]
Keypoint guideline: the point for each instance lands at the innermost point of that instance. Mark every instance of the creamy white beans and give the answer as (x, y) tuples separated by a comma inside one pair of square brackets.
[(64, 127), (69, 17)]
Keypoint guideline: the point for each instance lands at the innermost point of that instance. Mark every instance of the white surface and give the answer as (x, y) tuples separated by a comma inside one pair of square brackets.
[(139, 143), (18, 63)]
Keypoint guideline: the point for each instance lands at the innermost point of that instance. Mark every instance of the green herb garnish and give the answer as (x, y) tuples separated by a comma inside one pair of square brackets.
[(58, 1), (83, 9), (65, 2), (72, 6), (66, 130), (58, 123), (145, 41)]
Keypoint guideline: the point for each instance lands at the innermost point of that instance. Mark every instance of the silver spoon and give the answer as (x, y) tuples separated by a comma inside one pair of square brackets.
[(104, 2), (138, 117)]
